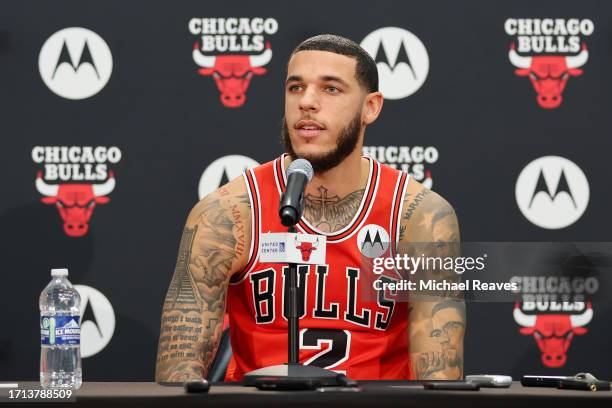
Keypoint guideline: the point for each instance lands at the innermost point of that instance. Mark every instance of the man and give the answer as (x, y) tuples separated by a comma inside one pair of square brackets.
[(331, 95)]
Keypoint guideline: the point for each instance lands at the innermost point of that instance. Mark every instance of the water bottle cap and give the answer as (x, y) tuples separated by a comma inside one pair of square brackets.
[(59, 272)]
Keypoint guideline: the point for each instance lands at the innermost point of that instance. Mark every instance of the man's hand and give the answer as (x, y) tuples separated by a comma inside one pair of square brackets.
[(436, 328), (213, 247), (430, 362)]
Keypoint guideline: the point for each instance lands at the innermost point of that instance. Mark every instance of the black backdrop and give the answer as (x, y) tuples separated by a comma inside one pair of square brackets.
[(169, 124)]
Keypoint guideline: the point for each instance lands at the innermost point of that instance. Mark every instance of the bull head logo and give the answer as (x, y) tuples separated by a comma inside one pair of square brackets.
[(553, 332), (306, 248), (548, 74), (75, 202), (232, 73)]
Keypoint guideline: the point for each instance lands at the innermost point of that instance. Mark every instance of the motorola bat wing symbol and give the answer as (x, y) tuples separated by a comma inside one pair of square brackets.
[(368, 240), (225, 178), (89, 315), (402, 56), (377, 239), (381, 55), (542, 187), (563, 186), (86, 57), (65, 58)]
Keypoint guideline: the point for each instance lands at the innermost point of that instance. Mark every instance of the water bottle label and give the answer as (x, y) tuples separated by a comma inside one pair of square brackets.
[(60, 330)]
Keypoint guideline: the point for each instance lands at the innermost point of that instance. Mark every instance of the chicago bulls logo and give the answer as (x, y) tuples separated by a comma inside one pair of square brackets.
[(548, 51), (306, 248), (548, 74), (75, 201), (553, 333), (232, 73)]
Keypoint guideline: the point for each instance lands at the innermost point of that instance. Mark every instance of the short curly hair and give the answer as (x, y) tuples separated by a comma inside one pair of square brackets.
[(365, 70)]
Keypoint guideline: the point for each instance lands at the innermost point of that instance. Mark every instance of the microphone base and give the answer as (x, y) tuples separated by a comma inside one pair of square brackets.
[(293, 376)]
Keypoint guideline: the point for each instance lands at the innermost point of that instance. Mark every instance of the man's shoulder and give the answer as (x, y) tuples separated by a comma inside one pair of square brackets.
[(419, 198), (222, 223), (424, 210), (230, 197)]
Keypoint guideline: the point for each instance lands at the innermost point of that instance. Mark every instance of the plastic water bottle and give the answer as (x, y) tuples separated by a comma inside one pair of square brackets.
[(60, 333)]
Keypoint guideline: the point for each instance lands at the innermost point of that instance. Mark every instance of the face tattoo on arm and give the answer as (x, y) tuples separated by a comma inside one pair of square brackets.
[(436, 328)]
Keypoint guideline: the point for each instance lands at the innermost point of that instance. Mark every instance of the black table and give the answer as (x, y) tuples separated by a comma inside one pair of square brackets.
[(374, 394)]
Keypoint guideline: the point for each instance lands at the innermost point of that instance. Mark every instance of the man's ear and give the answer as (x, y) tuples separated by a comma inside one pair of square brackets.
[(372, 105)]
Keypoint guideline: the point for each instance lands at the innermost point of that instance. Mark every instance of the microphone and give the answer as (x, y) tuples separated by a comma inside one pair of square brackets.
[(299, 173)]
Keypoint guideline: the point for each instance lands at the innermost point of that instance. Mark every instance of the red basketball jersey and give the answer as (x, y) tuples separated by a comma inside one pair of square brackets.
[(340, 331)]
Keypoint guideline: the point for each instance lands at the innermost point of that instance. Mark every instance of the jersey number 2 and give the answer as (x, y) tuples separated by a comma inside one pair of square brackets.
[(337, 350)]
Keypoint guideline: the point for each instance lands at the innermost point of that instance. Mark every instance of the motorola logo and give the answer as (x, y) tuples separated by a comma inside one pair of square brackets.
[(75, 63), (222, 171), (372, 241), (97, 320), (552, 192), (401, 59)]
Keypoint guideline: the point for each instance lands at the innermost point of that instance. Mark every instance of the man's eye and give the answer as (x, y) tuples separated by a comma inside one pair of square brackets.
[(295, 88), (332, 89)]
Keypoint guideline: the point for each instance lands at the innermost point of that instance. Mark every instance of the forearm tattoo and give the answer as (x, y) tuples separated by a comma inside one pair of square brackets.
[(193, 310), (436, 328)]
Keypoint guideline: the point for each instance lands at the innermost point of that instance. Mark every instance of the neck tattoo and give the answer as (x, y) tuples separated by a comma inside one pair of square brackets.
[(330, 214)]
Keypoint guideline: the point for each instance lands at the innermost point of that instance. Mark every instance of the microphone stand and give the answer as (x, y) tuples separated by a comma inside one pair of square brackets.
[(293, 375), (293, 320)]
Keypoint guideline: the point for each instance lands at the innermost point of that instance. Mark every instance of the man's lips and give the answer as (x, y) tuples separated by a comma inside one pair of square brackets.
[(309, 128), (309, 133)]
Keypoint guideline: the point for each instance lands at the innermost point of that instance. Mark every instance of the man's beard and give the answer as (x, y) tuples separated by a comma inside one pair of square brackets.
[(345, 145)]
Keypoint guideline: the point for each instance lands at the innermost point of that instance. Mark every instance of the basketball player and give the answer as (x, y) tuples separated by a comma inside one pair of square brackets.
[(331, 95)]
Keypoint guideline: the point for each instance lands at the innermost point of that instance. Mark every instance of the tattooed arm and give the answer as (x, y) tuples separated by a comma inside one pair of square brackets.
[(437, 327), (214, 245)]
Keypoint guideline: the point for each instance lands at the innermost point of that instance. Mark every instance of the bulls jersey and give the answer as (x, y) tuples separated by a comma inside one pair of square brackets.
[(339, 330)]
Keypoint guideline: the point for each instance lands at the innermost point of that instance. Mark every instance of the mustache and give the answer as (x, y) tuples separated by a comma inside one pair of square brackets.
[(308, 118)]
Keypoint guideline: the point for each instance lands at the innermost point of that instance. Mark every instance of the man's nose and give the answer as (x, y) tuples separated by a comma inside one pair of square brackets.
[(309, 100)]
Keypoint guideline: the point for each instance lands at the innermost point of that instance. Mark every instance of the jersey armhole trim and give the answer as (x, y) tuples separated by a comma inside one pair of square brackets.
[(397, 210), (252, 191)]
